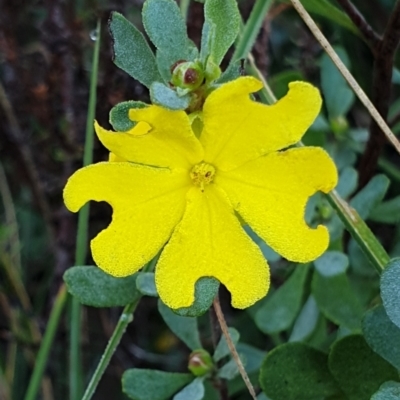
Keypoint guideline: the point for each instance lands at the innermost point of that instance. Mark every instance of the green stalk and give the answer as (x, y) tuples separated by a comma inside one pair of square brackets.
[(251, 29), (43, 354), (75, 374), (184, 5), (124, 320), (360, 232)]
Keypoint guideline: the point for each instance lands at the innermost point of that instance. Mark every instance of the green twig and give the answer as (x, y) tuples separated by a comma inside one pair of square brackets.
[(43, 354), (75, 375), (124, 320), (251, 29)]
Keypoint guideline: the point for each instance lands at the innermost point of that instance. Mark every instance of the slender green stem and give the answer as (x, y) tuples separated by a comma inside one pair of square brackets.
[(124, 320), (360, 231), (43, 354), (251, 29), (75, 375), (184, 4)]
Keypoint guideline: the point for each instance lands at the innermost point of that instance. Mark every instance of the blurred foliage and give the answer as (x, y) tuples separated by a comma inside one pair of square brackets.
[(318, 321)]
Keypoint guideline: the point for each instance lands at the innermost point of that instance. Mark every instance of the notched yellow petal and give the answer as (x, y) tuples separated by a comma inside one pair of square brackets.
[(271, 194), (209, 241), (147, 204), (238, 129)]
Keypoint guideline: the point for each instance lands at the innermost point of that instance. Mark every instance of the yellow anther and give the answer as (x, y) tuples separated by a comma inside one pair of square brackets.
[(202, 174)]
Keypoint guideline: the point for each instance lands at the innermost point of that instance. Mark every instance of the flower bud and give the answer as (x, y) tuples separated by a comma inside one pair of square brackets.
[(187, 74), (200, 362)]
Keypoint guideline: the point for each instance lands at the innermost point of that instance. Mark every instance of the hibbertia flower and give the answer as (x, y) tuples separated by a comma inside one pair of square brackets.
[(184, 193)]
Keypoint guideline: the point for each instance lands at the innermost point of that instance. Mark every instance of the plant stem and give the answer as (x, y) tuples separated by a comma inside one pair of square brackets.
[(124, 320), (43, 354), (251, 29), (184, 5), (75, 375), (346, 73), (232, 348)]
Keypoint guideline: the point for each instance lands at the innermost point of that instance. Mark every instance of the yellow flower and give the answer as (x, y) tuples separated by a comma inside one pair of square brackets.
[(168, 187)]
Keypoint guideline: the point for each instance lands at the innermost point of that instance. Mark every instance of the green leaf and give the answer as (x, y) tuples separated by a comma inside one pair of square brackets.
[(336, 299), (194, 391), (231, 73), (358, 370), (347, 182), (222, 349), (388, 391), (296, 371), (131, 51), (338, 96), (145, 284), (390, 290), (382, 335), (166, 28), (280, 82), (306, 322), (387, 212), (183, 327), (230, 370), (280, 309), (119, 115), (253, 356), (332, 263), (93, 287), (205, 291), (162, 95), (370, 196), (224, 14), (145, 384), (207, 40)]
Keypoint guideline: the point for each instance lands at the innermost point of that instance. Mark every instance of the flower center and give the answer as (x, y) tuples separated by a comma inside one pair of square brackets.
[(202, 174)]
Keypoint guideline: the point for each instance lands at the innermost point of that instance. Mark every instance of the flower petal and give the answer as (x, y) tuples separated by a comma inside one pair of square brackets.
[(209, 241), (147, 204), (169, 143), (237, 129), (271, 193)]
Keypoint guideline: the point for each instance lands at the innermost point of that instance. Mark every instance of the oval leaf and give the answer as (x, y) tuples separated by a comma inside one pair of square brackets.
[(131, 51), (119, 118), (358, 370), (194, 391), (93, 287), (296, 371), (205, 291), (388, 391), (222, 349), (183, 327), (146, 285), (390, 290), (145, 384), (382, 335), (280, 309), (166, 28), (167, 97)]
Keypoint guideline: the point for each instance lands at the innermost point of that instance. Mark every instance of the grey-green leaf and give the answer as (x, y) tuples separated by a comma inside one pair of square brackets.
[(332, 263), (390, 290), (145, 384), (224, 14), (132, 52), (183, 327), (205, 291), (357, 369), (337, 93), (388, 391), (382, 335), (222, 349), (230, 370), (307, 321), (119, 115), (296, 371), (280, 309), (162, 95), (370, 196), (93, 287), (166, 28), (194, 391), (336, 300), (145, 284), (387, 212)]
